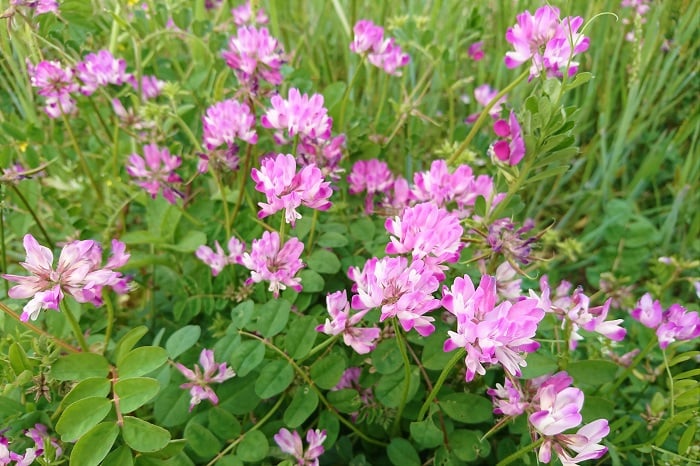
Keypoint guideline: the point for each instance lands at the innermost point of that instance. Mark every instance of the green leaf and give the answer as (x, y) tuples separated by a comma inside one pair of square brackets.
[(92, 387), (247, 356), (135, 392), (80, 366), (332, 240), (141, 361), (223, 424), (537, 365), (402, 453), (328, 422), (92, 448), (9, 407), (272, 317), (201, 440), (346, 400), (18, 359), (189, 243), (311, 281), (253, 447), (143, 436), (580, 79), (596, 407), (182, 340), (466, 445), (426, 434), (323, 261), (173, 448), (241, 314), (390, 387), (82, 416), (301, 337), (172, 407), (230, 460), (303, 405), (327, 371), (592, 372), (467, 407), (128, 341), (119, 457), (434, 357), (386, 357), (275, 377)]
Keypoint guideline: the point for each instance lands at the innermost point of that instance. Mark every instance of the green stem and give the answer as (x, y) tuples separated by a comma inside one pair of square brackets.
[(382, 98), (110, 321), (242, 182), (522, 452), (2, 236), (670, 382), (37, 330), (652, 343), (224, 200), (312, 231), (33, 214), (313, 386), (74, 325), (441, 380), (83, 162), (346, 95), (321, 346), (482, 117), (283, 224), (401, 342)]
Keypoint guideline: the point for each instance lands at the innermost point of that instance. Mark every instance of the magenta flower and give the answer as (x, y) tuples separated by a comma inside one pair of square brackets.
[(97, 70), (507, 399), (476, 51), (199, 379), (559, 410), (483, 95), (218, 260), (40, 6), (426, 232), (508, 284), (40, 435), (286, 189), (510, 149), (488, 332), (370, 176), (227, 120), (678, 324), (79, 274), (254, 55), (290, 442), (647, 312), (389, 56), (547, 40), (299, 115), (151, 86), (325, 154), (400, 291), (243, 15), (362, 340), (267, 262), (367, 36), (55, 84), (156, 172)]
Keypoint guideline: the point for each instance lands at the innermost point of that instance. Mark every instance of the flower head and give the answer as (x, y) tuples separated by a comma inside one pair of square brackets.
[(476, 51), (370, 176), (299, 115), (151, 86), (200, 378), (55, 84), (367, 36), (254, 54), (511, 148), (244, 14), (382, 52), (218, 260), (268, 262), (100, 69), (362, 340), (155, 172), (227, 120), (290, 442)]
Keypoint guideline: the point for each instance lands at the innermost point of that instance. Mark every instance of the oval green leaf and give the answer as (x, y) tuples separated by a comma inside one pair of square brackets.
[(182, 340), (141, 361), (92, 448), (467, 407), (136, 392), (253, 447), (82, 416), (143, 436), (247, 356), (275, 377), (303, 405), (80, 366), (94, 386), (402, 453)]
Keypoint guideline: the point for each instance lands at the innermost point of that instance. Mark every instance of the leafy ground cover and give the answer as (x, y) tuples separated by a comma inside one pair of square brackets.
[(349, 232)]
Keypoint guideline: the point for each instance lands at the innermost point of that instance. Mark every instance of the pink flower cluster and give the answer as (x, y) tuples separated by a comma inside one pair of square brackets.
[(546, 40), (100, 69), (382, 53), (227, 120), (574, 310), (476, 51), (156, 171), (286, 189), (40, 7), (290, 443), (371, 176), (511, 148), (672, 324), (483, 95), (554, 407), (255, 55), (504, 239), (43, 442), (342, 322), (268, 262), (79, 274), (490, 333), (243, 15), (55, 84), (199, 379), (218, 260)]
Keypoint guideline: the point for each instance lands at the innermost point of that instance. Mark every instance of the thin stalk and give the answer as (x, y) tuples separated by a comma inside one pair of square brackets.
[(222, 191), (283, 224), (482, 117), (38, 330), (321, 346), (441, 380), (652, 343), (2, 236), (110, 321), (522, 452), (242, 182), (33, 214), (79, 152), (401, 342), (74, 325), (312, 231), (670, 383), (346, 95), (382, 99)]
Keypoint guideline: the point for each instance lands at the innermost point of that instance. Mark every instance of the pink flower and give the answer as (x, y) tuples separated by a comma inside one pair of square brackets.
[(507, 283), (559, 411), (299, 115), (40, 435), (488, 332), (476, 51), (362, 340), (371, 176), (243, 15), (40, 6), (584, 442), (79, 274), (218, 260), (253, 55), (156, 172), (547, 40), (267, 262), (510, 149), (400, 291), (97, 70), (504, 239), (507, 399), (227, 120), (678, 324), (151, 86), (647, 312), (325, 154), (286, 189), (290, 442), (55, 84), (483, 95), (367, 36), (199, 379), (389, 56)]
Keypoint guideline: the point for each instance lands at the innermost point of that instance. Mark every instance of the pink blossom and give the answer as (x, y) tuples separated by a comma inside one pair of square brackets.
[(221, 159), (507, 399), (218, 260), (400, 291), (40, 6), (362, 340), (325, 154), (199, 379), (559, 411), (299, 115), (547, 40), (584, 442), (155, 172), (55, 84), (97, 70), (508, 284), (510, 149), (389, 56), (476, 51), (504, 239), (42, 440), (647, 312), (79, 274), (253, 55), (483, 95), (151, 86), (367, 36), (290, 443), (14, 174), (488, 332), (227, 120), (286, 189), (370, 176), (678, 324), (267, 262), (243, 15)]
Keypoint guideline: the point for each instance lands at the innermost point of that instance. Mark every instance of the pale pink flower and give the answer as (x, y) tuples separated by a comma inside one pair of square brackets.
[(401, 291), (367, 36), (476, 51), (40, 6), (151, 87), (156, 171), (243, 15), (325, 154), (56, 84), (362, 340), (42, 440), (648, 312), (370, 176), (253, 55), (290, 443), (678, 324), (218, 260), (559, 410), (299, 115), (286, 189), (483, 95), (227, 120), (79, 274), (13, 174), (508, 284), (100, 69), (389, 56), (200, 379), (584, 442), (268, 262), (507, 399), (511, 148), (222, 159)]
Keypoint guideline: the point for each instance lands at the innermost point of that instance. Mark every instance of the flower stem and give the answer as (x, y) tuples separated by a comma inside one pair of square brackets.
[(2, 236), (242, 182), (321, 346), (441, 380), (222, 192), (83, 162), (110, 322), (634, 364), (74, 325), (670, 382), (36, 329), (407, 376), (482, 117), (33, 214), (522, 452), (346, 95), (314, 219)]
